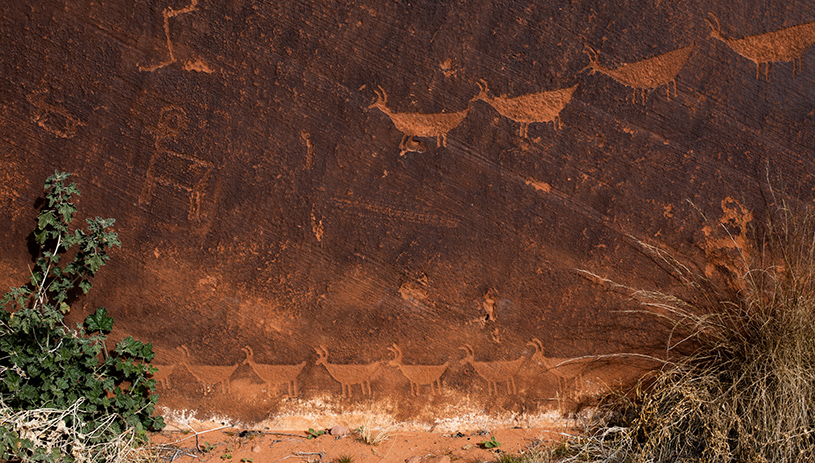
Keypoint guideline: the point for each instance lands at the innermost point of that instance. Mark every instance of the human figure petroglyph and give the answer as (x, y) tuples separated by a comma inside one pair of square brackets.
[(530, 108), (419, 124), (781, 46), (418, 375), (188, 173), (348, 375), (210, 375), (272, 375), (197, 65), (56, 120), (494, 372), (646, 74), (567, 371)]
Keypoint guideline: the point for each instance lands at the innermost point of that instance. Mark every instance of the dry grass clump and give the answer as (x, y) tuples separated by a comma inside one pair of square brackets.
[(52, 433), (739, 385)]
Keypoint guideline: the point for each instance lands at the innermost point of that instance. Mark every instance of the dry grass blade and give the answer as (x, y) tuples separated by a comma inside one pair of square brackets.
[(742, 386)]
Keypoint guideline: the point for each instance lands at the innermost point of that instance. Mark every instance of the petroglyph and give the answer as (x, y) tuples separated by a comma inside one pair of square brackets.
[(162, 376), (411, 145), (210, 375), (647, 74), (418, 375), (401, 214), (530, 108), (567, 371), (273, 375), (309, 149), (348, 375), (494, 372), (784, 45), (193, 65), (175, 169), (54, 119), (419, 124)]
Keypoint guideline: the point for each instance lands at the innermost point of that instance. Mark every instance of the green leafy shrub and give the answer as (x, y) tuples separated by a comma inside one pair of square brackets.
[(46, 368)]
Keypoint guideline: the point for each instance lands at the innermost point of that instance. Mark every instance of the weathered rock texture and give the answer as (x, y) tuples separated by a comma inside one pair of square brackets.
[(355, 203)]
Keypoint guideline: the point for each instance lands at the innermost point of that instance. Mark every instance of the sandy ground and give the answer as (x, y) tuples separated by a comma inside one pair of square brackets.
[(236, 445)]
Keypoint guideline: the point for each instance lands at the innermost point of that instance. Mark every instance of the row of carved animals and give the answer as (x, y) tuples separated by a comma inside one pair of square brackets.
[(784, 45), (565, 370)]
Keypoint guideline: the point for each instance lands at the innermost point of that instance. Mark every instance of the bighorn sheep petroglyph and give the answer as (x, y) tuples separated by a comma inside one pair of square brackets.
[(211, 375), (646, 74), (348, 375), (418, 375), (530, 108), (162, 376), (494, 372), (784, 45), (272, 375), (418, 124), (567, 372)]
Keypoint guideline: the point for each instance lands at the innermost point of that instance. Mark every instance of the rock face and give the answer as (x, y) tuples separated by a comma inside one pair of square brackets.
[(333, 205)]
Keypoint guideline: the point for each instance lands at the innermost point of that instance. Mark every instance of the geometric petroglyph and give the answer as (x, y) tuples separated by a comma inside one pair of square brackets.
[(530, 108), (418, 375), (54, 119), (197, 65), (400, 214), (348, 375), (646, 74), (175, 169), (274, 375), (494, 372), (781, 46), (419, 124)]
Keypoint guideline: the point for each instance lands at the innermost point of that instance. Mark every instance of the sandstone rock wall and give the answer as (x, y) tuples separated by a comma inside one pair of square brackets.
[(307, 191)]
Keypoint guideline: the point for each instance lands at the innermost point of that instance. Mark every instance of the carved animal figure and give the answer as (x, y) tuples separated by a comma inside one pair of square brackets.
[(348, 375), (784, 45), (530, 108), (418, 375), (211, 375), (494, 372), (567, 373), (419, 124), (162, 376), (647, 74), (272, 375)]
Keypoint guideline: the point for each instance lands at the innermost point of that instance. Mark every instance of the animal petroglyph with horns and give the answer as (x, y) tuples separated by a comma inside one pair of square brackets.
[(418, 375), (497, 371), (272, 375), (530, 108), (419, 124), (647, 74), (348, 375), (784, 45)]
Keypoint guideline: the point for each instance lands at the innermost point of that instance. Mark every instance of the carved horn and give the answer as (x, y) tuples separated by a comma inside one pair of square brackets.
[(398, 352), (718, 26)]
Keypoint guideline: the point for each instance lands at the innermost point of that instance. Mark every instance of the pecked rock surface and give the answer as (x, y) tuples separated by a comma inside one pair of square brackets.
[(328, 207)]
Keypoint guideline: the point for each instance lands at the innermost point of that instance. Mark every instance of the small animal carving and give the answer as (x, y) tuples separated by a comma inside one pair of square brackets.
[(784, 45), (530, 108), (418, 375), (273, 375), (497, 371), (211, 375), (348, 375), (162, 376), (419, 124), (411, 145), (567, 372), (647, 74)]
